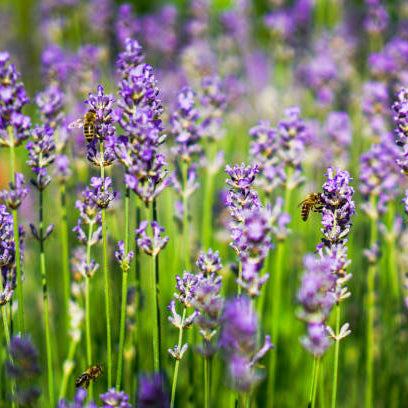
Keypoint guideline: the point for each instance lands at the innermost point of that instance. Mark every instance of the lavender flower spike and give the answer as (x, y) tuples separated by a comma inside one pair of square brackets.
[(151, 246)]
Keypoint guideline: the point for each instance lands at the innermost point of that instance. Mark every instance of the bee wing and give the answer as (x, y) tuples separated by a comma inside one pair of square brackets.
[(301, 203), (76, 124)]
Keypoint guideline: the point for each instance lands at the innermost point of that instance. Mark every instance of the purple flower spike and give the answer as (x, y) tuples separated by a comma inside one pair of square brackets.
[(152, 392), (16, 194), (101, 193), (124, 259), (103, 106), (151, 246), (50, 103), (14, 126), (239, 342), (241, 176), (114, 398), (209, 262)]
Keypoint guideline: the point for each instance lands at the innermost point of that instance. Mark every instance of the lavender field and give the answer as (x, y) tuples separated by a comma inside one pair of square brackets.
[(204, 203)]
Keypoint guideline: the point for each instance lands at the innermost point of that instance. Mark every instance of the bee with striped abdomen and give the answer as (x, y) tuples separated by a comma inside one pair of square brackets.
[(92, 373), (313, 202), (87, 123)]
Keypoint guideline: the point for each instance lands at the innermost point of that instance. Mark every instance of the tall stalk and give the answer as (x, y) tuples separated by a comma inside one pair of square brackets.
[(176, 366), (68, 366), (45, 300), (186, 226), (370, 315), (106, 278), (87, 305), (277, 291), (207, 370), (208, 201), (65, 251), (20, 312), (313, 386), (336, 356), (124, 294), (153, 289)]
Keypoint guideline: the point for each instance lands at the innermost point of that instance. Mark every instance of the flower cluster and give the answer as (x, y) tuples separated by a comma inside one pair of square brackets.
[(101, 192), (14, 126), (102, 153), (113, 398), (152, 392), (400, 108), (209, 262), (150, 245), (316, 296), (186, 288), (139, 116), (124, 259), (41, 154), (50, 103), (89, 216), (276, 150), (16, 194), (377, 18), (379, 175), (238, 340), (24, 369), (250, 228), (79, 401), (375, 106), (7, 256), (209, 304)]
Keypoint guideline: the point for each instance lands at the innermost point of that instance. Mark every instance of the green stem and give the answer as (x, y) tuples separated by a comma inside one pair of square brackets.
[(370, 317), (107, 284), (87, 306), (46, 311), (153, 288), (208, 201), (186, 227), (10, 130), (207, 395), (239, 288), (392, 265), (316, 380), (65, 252), (336, 356), (68, 367), (124, 295), (176, 366)]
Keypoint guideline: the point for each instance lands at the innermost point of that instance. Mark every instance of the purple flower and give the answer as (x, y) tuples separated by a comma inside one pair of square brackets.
[(185, 128), (151, 246), (377, 18), (16, 194), (61, 169), (209, 262), (103, 106), (14, 126), (338, 205), (152, 392), (339, 128), (124, 259), (113, 398), (127, 25), (101, 192), (241, 176), (41, 154), (239, 342), (79, 401), (186, 287), (317, 340), (24, 369), (50, 103), (131, 57)]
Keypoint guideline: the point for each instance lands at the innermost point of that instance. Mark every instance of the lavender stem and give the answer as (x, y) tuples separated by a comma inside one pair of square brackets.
[(124, 295), (336, 356), (106, 278)]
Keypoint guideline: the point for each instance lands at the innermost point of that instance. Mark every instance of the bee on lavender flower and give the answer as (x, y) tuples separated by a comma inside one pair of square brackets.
[(92, 373), (313, 202), (87, 123)]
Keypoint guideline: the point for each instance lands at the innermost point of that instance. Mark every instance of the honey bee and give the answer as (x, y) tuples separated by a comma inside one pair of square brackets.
[(87, 123), (92, 373), (313, 202)]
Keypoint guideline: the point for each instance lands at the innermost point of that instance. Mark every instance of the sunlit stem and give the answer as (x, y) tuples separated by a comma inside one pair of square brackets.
[(106, 278), (124, 295), (336, 356), (176, 366), (186, 226), (68, 366)]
